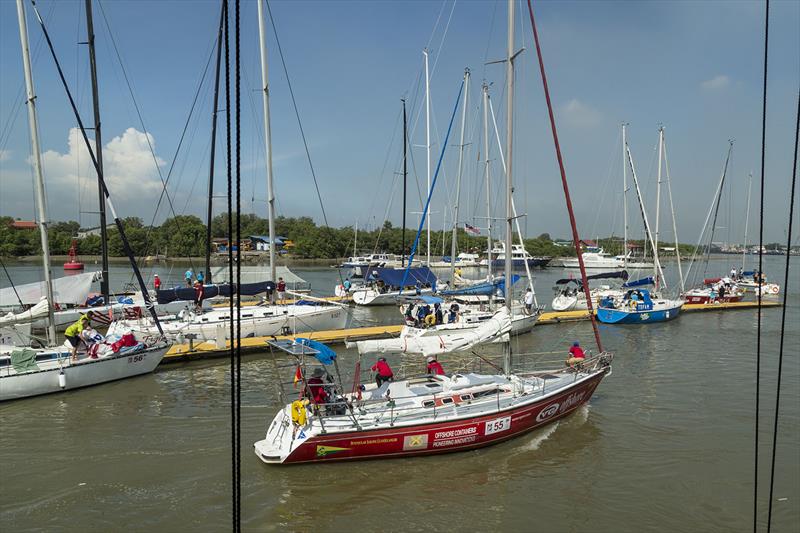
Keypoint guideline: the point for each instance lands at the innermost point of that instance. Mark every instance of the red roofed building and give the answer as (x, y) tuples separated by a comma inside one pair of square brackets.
[(24, 224)]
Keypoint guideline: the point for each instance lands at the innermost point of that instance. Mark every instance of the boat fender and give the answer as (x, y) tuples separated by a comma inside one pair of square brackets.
[(774, 289), (62, 379), (299, 412)]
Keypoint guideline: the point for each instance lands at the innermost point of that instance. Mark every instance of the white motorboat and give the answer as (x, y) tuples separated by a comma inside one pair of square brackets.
[(384, 285), (519, 256)]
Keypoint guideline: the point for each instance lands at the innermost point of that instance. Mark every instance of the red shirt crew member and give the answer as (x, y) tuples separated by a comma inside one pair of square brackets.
[(316, 387), (156, 282), (434, 366), (383, 371), (576, 354)]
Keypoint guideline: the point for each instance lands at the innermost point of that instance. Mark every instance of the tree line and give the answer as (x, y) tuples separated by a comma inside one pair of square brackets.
[(185, 236)]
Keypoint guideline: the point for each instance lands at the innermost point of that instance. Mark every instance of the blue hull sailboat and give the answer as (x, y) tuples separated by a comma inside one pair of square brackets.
[(637, 307)]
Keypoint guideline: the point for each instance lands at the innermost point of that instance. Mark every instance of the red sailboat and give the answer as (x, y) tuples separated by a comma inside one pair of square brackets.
[(429, 414), (73, 263)]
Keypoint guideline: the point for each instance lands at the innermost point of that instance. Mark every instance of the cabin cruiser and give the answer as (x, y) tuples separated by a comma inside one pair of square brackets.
[(519, 256)]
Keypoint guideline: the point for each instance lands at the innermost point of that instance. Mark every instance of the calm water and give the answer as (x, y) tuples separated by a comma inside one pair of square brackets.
[(666, 444)]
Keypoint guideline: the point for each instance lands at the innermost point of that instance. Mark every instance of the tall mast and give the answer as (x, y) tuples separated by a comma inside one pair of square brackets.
[(355, 240), (658, 196), (458, 181), (747, 217), (488, 181), (509, 146), (98, 140), (405, 180), (428, 141), (624, 199), (509, 181), (262, 34), (674, 222), (41, 202), (213, 149)]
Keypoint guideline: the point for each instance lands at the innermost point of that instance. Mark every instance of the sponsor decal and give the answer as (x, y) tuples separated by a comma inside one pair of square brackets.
[(455, 442), (302, 435), (645, 316), (547, 412), (415, 442), (324, 451), (455, 433), (572, 400), (372, 441)]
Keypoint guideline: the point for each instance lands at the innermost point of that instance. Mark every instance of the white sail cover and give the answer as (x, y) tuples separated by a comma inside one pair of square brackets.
[(257, 274), (428, 342), (72, 289), (34, 313)]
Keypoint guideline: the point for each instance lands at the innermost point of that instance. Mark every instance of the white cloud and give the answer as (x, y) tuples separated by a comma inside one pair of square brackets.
[(716, 83), (578, 114), (5, 155)]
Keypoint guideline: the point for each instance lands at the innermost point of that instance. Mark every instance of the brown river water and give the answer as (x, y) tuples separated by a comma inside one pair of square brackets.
[(665, 444)]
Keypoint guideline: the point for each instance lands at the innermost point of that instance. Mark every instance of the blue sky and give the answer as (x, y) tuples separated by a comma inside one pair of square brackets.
[(695, 67)]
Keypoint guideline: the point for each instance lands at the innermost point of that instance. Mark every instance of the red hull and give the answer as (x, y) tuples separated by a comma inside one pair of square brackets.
[(697, 299), (73, 266), (446, 436)]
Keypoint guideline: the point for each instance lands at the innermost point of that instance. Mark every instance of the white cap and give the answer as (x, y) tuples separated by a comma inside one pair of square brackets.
[(430, 358)]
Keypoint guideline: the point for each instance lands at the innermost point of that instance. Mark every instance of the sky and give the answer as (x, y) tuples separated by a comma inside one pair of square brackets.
[(695, 68)]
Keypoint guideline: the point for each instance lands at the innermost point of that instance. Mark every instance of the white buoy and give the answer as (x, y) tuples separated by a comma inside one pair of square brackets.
[(62, 379)]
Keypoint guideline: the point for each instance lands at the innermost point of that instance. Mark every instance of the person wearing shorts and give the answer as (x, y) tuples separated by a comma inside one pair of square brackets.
[(73, 334)]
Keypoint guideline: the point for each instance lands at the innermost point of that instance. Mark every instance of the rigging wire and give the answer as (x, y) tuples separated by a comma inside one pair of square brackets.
[(783, 315), (238, 339), (760, 266), (229, 175)]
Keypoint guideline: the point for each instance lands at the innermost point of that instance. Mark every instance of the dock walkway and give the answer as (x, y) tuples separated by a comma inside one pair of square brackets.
[(208, 349)]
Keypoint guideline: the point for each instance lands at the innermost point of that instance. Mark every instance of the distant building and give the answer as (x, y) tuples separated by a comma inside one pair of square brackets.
[(23, 224), (261, 242)]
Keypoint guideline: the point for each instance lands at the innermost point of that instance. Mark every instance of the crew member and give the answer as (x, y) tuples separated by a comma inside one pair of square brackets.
[(281, 289), (434, 366), (437, 311), (576, 354), (188, 275), (73, 334), (528, 300), (198, 295), (316, 387), (156, 282), (383, 372)]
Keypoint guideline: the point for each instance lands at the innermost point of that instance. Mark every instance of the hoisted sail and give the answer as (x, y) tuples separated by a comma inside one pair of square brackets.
[(67, 290)]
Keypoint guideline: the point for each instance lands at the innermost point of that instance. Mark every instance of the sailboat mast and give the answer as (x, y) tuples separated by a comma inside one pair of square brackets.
[(658, 196), (98, 140), (509, 159), (509, 293), (405, 181), (355, 240), (488, 181), (262, 35), (41, 202), (458, 181), (624, 198), (428, 142), (212, 157), (747, 217)]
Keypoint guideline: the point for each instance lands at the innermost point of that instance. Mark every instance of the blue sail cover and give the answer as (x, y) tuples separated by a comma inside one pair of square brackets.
[(165, 296), (482, 289), (324, 354), (393, 277), (639, 282)]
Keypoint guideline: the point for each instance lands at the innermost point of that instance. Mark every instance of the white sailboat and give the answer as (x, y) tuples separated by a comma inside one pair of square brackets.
[(31, 372)]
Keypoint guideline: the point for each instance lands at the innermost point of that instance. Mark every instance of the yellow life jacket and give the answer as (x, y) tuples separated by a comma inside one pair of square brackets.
[(430, 319), (299, 412)]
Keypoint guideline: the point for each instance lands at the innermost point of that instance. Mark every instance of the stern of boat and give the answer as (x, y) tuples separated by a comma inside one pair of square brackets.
[(282, 438)]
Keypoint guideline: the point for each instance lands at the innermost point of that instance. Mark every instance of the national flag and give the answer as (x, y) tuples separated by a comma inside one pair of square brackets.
[(472, 230), (298, 375), (100, 318)]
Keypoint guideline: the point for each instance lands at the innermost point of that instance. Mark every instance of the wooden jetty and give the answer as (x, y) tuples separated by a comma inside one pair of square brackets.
[(210, 349)]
